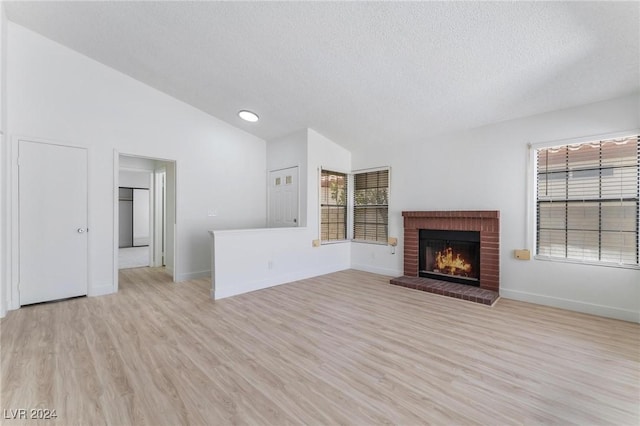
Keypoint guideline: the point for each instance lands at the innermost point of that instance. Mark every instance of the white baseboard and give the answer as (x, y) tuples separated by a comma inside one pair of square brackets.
[(100, 290), (572, 305), (223, 291), (193, 275), (375, 270)]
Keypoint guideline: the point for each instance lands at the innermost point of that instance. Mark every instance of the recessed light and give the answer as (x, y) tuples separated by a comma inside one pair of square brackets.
[(249, 116)]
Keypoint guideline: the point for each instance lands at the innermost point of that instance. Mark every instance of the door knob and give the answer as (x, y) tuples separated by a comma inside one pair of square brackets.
[(80, 230)]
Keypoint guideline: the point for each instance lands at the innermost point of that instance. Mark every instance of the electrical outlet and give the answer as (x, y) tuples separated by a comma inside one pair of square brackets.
[(315, 243)]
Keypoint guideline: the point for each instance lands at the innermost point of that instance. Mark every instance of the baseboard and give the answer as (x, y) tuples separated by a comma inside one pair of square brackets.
[(223, 291), (193, 275), (572, 305), (380, 271), (100, 290)]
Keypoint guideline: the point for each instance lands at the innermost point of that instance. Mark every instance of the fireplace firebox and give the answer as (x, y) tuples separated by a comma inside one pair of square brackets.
[(450, 256)]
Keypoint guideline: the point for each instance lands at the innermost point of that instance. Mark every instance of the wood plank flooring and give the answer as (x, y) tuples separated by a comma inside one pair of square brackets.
[(343, 348)]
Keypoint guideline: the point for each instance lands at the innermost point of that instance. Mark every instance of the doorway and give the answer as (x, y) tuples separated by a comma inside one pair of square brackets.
[(144, 234)]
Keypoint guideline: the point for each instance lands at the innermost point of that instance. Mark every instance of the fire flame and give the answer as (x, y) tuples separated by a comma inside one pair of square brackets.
[(446, 263)]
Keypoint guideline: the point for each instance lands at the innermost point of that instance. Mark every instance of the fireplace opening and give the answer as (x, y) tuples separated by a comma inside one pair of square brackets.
[(450, 256)]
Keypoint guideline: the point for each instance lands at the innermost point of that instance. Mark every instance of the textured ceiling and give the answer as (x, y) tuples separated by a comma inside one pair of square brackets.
[(360, 73)]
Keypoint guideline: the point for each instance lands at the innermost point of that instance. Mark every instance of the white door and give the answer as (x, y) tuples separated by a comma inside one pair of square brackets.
[(141, 212), (283, 198), (158, 219), (52, 191)]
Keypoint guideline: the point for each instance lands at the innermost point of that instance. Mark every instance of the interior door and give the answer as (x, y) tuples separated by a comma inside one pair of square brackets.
[(159, 219), (141, 222), (283, 198), (52, 196)]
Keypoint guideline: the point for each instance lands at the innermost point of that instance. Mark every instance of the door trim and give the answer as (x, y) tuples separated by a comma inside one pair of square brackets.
[(13, 291), (268, 207), (116, 224), (159, 217)]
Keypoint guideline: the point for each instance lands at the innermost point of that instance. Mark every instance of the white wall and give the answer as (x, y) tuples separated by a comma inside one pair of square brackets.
[(322, 153), (134, 179), (291, 151), (486, 168), (128, 162), (58, 94), (4, 188), (135, 172), (253, 259)]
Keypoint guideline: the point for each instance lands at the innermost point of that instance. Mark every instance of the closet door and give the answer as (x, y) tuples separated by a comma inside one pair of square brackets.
[(141, 214)]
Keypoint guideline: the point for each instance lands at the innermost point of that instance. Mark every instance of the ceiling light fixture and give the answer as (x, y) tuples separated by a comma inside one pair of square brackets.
[(249, 116)]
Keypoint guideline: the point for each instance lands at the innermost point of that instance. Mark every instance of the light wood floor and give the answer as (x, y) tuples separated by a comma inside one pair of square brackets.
[(344, 348)]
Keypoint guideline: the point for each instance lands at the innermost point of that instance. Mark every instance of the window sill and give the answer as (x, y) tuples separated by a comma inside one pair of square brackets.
[(328, 243), (376, 243), (582, 262)]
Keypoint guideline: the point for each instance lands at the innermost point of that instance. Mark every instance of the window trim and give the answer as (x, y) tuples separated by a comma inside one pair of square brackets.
[(351, 204), (348, 176), (352, 207), (532, 189)]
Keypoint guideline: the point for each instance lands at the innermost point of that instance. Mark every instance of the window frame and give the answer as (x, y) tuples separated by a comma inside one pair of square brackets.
[(347, 205), (353, 206), (532, 189), (350, 213)]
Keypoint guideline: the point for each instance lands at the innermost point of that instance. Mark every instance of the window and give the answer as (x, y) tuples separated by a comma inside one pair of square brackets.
[(587, 201), (368, 211), (333, 206), (371, 206)]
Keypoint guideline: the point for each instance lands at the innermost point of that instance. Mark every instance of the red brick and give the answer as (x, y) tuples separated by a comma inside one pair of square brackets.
[(494, 247), (485, 221)]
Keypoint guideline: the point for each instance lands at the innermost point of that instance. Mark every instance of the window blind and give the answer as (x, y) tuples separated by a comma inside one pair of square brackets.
[(333, 206), (587, 204), (371, 206)]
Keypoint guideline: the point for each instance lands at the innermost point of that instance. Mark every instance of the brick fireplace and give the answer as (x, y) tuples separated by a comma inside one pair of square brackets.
[(486, 222)]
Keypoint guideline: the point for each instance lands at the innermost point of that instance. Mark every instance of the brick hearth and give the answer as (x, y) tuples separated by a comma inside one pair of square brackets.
[(444, 288), (487, 222)]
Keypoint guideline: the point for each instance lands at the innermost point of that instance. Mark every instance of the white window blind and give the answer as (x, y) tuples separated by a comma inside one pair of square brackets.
[(371, 206), (587, 201)]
